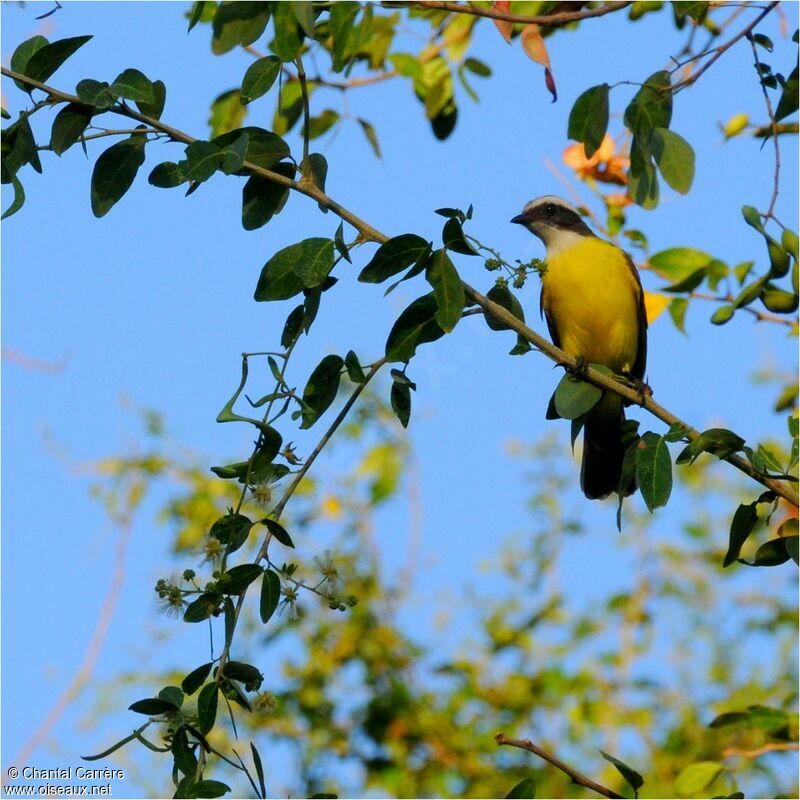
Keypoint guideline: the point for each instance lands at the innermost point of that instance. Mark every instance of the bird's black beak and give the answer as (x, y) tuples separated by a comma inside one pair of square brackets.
[(520, 219)]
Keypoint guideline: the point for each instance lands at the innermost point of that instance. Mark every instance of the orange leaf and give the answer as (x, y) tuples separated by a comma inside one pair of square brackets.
[(503, 26), (533, 45)]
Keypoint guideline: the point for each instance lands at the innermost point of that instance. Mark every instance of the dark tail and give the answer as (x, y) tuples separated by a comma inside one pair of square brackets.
[(603, 450)]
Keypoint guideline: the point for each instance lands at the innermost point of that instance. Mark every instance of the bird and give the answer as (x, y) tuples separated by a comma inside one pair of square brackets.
[(593, 302)]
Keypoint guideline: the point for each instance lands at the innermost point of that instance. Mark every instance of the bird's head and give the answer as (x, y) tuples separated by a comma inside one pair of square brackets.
[(552, 219)]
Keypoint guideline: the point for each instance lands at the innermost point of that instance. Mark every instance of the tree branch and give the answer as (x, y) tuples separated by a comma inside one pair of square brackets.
[(368, 233), (718, 52), (543, 20), (769, 747), (573, 774), (774, 127)]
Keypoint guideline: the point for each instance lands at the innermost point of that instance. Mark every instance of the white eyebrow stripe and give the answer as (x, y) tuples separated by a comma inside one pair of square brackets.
[(548, 198)]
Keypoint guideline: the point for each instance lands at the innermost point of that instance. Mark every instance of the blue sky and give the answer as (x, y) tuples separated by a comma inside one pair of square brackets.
[(154, 303)]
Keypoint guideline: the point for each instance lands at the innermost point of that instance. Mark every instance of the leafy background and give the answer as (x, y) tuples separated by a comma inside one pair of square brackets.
[(153, 304)]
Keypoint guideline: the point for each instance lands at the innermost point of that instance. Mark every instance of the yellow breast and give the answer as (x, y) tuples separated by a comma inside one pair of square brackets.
[(592, 299)]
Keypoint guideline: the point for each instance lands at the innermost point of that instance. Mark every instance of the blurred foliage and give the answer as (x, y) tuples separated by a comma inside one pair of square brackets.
[(677, 665)]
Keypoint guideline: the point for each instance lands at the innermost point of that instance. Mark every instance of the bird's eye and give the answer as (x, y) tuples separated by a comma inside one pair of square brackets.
[(549, 209)]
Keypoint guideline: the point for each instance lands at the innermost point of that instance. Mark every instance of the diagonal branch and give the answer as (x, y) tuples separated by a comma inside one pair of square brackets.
[(573, 774), (719, 51), (543, 20), (367, 233)]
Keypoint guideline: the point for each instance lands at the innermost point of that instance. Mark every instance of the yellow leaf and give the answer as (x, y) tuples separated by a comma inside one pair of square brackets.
[(735, 125), (654, 304), (533, 44), (503, 26)]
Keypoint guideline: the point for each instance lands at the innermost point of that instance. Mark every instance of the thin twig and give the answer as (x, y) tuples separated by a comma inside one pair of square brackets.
[(770, 747), (369, 233), (573, 774), (759, 316), (718, 52), (301, 76), (774, 127), (542, 20)]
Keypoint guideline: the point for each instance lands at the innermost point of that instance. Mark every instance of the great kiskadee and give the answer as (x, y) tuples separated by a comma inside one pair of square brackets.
[(593, 302)]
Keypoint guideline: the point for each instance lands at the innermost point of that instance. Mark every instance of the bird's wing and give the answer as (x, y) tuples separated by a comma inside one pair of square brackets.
[(640, 364), (551, 326)]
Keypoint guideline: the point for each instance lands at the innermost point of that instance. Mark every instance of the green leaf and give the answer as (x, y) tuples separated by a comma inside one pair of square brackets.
[(19, 194), (526, 788), (340, 245), (675, 159), (321, 124), (304, 14), (742, 524), (677, 311), (286, 44), (372, 136), (302, 265), (722, 315), (787, 105), (263, 199), (233, 529), (94, 93), (678, 263), (651, 106), (22, 55), (354, 369), (259, 78), (278, 531), (69, 125), (153, 706), (401, 402), (238, 23), (156, 108), (792, 548), (134, 85), (202, 608), (172, 694), (270, 594), (729, 718), (203, 159), (753, 218), (316, 168), (771, 720), (233, 156), (195, 679), (415, 326), (259, 770), (114, 173), (717, 441), (447, 289), (642, 179), (199, 13), (238, 578), (393, 257), (321, 389), (477, 67), (696, 777), (770, 554), (654, 470), (453, 238), (182, 754), (573, 397), (249, 675), (264, 148), (226, 113), (634, 779), (293, 326), (208, 788), (504, 297), (790, 242), (207, 707), (588, 119), (46, 60)]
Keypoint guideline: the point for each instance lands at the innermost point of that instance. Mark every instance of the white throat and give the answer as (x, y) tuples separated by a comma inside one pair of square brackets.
[(557, 240)]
